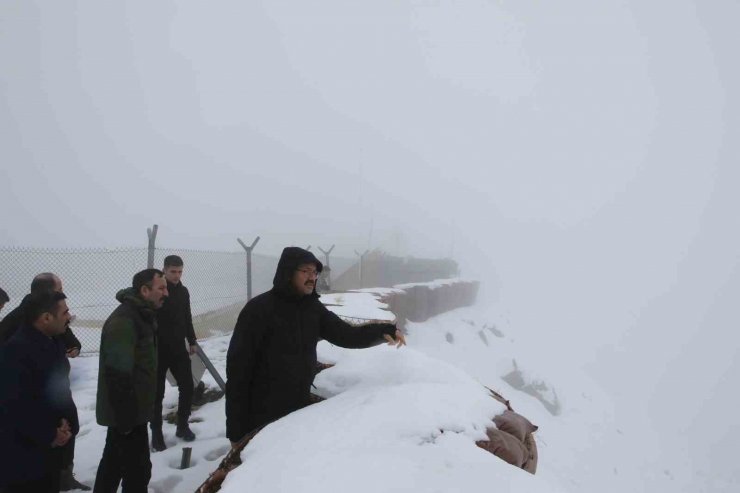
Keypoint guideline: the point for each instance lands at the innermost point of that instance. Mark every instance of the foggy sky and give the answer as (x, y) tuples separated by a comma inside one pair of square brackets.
[(580, 158)]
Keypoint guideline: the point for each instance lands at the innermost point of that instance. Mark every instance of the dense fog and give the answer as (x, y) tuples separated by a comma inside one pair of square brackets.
[(579, 158)]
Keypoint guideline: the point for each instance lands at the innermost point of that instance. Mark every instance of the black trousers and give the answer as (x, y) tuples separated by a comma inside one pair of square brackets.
[(47, 484), (178, 362), (125, 460), (67, 454)]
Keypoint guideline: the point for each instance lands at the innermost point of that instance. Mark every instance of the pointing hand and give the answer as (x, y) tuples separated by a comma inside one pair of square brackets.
[(399, 341)]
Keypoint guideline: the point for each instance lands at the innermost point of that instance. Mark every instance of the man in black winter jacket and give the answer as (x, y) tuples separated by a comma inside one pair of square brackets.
[(44, 282), (174, 326), (47, 282), (37, 414), (4, 298), (271, 361)]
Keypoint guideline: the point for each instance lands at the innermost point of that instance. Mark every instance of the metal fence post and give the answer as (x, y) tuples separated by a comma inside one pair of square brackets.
[(152, 234), (362, 257), (249, 249), (326, 253), (185, 459), (326, 256), (209, 366)]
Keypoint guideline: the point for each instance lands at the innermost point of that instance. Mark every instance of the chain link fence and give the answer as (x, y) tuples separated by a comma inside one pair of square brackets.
[(217, 282), (91, 277)]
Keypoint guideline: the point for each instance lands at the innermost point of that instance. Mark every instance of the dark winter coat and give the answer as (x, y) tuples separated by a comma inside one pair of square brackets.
[(174, 320), (127, 375), (16, 318), (271, 361), (34, 397)]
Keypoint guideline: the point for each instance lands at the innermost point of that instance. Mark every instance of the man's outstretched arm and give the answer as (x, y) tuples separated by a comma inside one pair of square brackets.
[(339, 332)]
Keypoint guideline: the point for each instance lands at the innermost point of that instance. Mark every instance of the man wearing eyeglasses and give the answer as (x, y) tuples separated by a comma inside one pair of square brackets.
[(271, 361)]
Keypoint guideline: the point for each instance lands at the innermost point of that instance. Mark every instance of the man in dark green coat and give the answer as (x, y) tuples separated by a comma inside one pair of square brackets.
[(127, 384)]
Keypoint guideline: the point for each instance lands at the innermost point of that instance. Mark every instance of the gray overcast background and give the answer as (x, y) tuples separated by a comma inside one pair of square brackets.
[(580, 157)]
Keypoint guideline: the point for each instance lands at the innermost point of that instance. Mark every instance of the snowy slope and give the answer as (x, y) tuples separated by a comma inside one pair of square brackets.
[(397, 420), (581, 447), (406, 419)]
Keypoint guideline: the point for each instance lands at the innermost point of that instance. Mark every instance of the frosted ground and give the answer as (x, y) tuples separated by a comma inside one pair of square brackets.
[(407, 420)]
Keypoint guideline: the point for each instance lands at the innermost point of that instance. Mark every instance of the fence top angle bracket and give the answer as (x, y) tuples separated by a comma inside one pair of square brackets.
[(327, 252), (244, 245)]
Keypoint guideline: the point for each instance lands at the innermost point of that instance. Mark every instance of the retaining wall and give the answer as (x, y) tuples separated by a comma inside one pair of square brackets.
[(420, 301)]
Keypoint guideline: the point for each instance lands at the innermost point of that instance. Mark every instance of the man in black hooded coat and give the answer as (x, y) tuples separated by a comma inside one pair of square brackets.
[(271, 361)]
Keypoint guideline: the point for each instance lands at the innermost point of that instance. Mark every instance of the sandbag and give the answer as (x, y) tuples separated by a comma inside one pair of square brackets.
[(514, 424), (505, 446)]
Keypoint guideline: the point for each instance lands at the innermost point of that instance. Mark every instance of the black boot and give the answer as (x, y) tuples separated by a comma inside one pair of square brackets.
[(183, 431), (68, 482), (158, 444)]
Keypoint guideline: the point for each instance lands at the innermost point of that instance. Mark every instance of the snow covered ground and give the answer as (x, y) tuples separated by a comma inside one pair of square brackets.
[(208, 425), (407, 419), (360, 304)]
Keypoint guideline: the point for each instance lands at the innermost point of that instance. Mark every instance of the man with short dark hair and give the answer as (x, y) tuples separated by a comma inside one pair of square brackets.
[(47, 282), (174, 326), (127, 384), (37, 414), (4, 298), (271, 361)]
